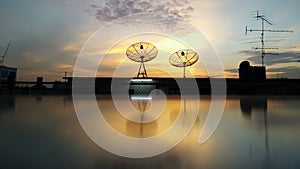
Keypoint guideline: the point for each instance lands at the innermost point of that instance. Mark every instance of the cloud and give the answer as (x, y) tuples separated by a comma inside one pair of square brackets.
[(289, 56), (167, 14), (231, 73), (115, 9), (35, 56), (285, 72)]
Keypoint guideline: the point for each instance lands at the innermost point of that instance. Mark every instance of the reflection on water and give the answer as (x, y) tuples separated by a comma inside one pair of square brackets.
[(255, 132), (7, 103), (260, 103), (141, 129), (247, 103)]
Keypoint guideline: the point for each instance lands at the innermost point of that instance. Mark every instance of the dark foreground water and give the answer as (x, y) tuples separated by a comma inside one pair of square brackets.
[(255, 132)]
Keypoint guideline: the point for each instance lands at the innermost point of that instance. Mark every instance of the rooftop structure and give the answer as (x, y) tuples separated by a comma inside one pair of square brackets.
[(8, 74), (251, 73)]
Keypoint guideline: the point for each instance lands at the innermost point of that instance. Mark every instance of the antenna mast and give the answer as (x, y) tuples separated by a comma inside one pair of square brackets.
[(4, 54), (263, 30)]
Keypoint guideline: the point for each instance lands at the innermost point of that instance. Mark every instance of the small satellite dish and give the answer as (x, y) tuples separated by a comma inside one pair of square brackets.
[(183, 58), (141, 52)]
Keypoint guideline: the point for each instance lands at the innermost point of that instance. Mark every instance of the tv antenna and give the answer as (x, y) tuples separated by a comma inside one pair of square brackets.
[(183, 58), (141, 52), (4, 54), (263, 30)]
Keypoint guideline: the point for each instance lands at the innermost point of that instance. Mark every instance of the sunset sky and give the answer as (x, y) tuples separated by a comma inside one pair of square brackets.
[(47, 36)]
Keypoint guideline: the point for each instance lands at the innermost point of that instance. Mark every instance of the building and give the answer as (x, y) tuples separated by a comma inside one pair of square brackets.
[(8, 74), (251, 73)]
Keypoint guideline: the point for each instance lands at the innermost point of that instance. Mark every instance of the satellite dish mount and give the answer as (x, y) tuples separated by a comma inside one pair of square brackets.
[(142, 69)]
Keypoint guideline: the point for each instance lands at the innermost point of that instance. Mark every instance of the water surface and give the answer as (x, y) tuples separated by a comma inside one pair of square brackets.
[(255, 132)]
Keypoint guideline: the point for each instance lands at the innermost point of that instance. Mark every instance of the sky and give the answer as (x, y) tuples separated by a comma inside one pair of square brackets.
[(47, 35)]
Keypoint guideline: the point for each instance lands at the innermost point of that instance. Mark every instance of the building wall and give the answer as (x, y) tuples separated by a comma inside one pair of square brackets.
[(248, 72), (8, 73)]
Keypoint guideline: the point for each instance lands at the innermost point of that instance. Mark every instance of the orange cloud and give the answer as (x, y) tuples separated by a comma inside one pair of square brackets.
[(32, 57)]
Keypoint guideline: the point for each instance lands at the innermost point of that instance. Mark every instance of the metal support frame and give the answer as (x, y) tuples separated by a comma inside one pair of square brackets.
[(142, 73), (263, 30)]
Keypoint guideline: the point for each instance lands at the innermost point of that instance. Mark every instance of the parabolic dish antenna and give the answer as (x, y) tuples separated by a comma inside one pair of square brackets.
[(141, 52), (183, 58)]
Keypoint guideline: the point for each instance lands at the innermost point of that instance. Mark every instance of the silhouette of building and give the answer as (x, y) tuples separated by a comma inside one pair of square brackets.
[(8, 77), (8, 73), (248, 72)]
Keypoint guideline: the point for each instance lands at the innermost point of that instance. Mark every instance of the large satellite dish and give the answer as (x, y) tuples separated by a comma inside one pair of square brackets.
[(183, 58), (141, 52)]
